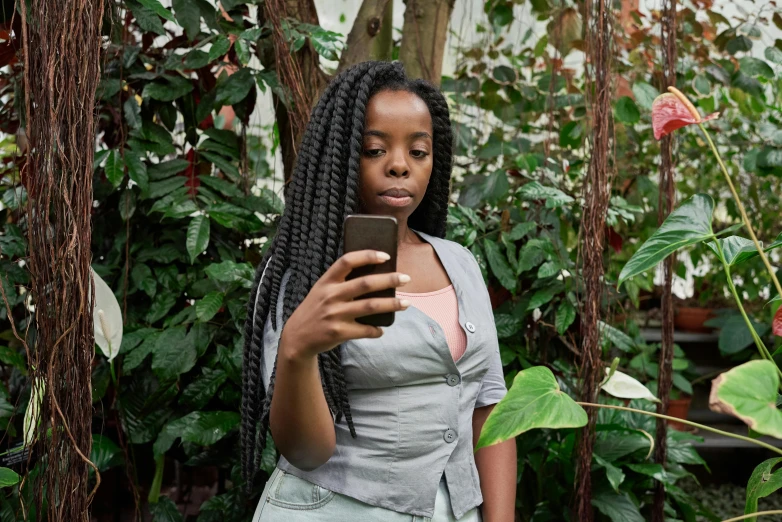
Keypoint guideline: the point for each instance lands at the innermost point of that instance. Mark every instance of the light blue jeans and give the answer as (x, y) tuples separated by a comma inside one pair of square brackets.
[(287, 498)]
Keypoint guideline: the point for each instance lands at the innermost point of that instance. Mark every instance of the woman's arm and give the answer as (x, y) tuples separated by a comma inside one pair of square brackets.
[(497, 471)]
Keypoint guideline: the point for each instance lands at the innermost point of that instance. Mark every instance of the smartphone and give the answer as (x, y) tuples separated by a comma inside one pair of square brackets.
[(373, 232)]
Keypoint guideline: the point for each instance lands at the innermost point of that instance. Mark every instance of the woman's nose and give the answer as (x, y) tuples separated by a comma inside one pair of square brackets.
[(397, 166)]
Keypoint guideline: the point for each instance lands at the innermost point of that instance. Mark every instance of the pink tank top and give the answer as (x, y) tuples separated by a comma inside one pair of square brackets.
[(441, 305)]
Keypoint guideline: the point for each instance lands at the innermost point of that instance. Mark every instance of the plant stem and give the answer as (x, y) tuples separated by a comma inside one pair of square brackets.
[(742, 211), (157, 481), (759, 513), (683, 421)]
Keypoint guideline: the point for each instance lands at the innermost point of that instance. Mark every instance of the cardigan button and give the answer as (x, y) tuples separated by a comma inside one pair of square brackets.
[(449, 436), (470, 327), (452, 379)]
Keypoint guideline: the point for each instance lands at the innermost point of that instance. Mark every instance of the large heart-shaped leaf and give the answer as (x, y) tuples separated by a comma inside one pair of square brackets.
[(762, 483), (8, 477), (533, 401), (749, 392), (687, 225)]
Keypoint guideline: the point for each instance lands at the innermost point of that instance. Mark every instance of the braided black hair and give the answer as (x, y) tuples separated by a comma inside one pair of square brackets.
[(323, 190)]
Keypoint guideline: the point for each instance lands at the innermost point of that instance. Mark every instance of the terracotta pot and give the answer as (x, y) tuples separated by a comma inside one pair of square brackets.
[(679, 408), (689, 319)]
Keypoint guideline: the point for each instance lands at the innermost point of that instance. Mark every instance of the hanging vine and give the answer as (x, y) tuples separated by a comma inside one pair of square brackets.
[(665, 206), (61, 46), (599, 28)]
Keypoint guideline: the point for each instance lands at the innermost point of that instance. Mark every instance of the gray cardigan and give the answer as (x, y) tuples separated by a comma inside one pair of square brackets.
[(412, 405)]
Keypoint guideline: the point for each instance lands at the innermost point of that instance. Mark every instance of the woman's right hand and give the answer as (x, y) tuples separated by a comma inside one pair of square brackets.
[(327, 315)]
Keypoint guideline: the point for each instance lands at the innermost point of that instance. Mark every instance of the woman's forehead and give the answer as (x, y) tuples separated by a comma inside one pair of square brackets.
[(400, 109)]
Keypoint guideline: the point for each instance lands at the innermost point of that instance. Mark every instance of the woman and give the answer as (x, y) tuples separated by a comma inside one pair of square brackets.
[(373, 424)]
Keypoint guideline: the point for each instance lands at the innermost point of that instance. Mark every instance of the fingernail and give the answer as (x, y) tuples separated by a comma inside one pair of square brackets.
[(404, 303), (404, 278), (382, 256)]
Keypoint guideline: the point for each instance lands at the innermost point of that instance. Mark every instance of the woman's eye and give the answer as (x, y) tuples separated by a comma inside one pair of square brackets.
[(419, 153), (373, 153)]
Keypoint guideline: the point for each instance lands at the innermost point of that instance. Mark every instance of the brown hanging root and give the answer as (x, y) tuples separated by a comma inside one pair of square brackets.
[(61, 47), (599, 25), (665, 206)]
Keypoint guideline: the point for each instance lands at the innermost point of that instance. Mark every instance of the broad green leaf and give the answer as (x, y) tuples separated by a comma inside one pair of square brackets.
[(174, 354), (162, 303), (8, 477), (197, 236), (769, 157), (200, 427), (617, 506), (105, 452), (739, 44), (137, 169), (623, 386), (242, 49), (738, 249), (166, 169), (137, 355), (614, 474), (570, 135), (132, 113), (164, 510), (749, 392), (521, 229), (226, 188), (542, 296), (645, 95), (188, 16), (762, 483), (734, 333), (146, 18), (755, 67), (614, 444), (156, 7), (199, 392), (566, 314), (626, 110), (207, 307), (499, 265), (158, 189), (11, 357), (225, 166), (554, 198), (687, 225), (701, 84), (235, 88), (549, 269), (533, 401), (115, 168), (219, 47), (773, 54), (617, 337), (507, 325), (175, 87)]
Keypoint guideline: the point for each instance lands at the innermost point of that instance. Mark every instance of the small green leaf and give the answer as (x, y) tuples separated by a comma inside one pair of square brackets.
[(199, 392), (542, 296), (617, 337), (687, 225), (520, 230), (617, 506), (773, 54), (8, 477), (197, 236), (115, 168), (105, 452), (137, 169), (175, 87), (242, 49), (219, 47), (645, 95), (188, 16), (146, 19), (507, 325), (566, 314), (626, 110), (156, 7), (161, 305), (174, 354), (132, 113), (534, 191), (615, 475), (499, 265), (533, 401), (755, 67), (127, 204), (749, 392), (762, 483), (739, 44), (207, 307), (236, 87)]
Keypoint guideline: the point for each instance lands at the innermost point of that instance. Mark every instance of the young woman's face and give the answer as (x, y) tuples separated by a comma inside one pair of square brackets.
[(396, 162)]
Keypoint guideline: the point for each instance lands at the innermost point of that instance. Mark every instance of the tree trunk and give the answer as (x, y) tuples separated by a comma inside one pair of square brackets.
[(62, 50), (423, 38), (371, 37)]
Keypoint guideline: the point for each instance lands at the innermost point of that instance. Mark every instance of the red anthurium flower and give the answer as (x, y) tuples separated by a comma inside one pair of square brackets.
[(776, 324), (672, 110)]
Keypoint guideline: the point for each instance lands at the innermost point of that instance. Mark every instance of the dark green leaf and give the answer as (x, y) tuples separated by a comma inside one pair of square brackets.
[(755, 67), (127, 204), (8, 477), (174, 354), (507, 325), (773, 54), (739, 44), (226, 188), (235, 88), (769, 157), (145, 18), (13, 358), (164, 510), (132, 113), (566, 314), (105, 452), (734, 334), (137, 169), (156, 7), (161, 188), (197, 236), (499, 265), (161, 305), (626, 110), (534, 191), (644, 95), (199, 427), (219, 47), (617, 506), (617, 337), (207, 307), (166, 169), (115, 168), (242, 49), (230, 272), (188, 16), (175, 87), (687, 225), (200, 391), (763, 482), (570, 135), (542, 296), (225, 166), (138, 354)]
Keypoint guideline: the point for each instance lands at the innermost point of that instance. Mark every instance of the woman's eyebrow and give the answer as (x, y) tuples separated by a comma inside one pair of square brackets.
[(381, 134)]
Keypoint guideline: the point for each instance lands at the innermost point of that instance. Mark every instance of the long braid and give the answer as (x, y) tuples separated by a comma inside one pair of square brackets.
[(323, 190)]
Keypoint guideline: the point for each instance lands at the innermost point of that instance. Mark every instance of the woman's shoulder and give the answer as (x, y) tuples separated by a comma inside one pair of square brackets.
[(456, 251)]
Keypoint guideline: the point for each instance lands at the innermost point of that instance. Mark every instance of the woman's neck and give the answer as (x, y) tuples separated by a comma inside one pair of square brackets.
[(405, 236)]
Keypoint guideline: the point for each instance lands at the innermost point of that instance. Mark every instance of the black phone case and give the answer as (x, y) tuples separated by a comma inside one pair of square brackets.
[(363, 232)]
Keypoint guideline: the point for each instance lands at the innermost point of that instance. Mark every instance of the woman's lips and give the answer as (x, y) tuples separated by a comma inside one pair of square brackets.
[(397, 201)]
